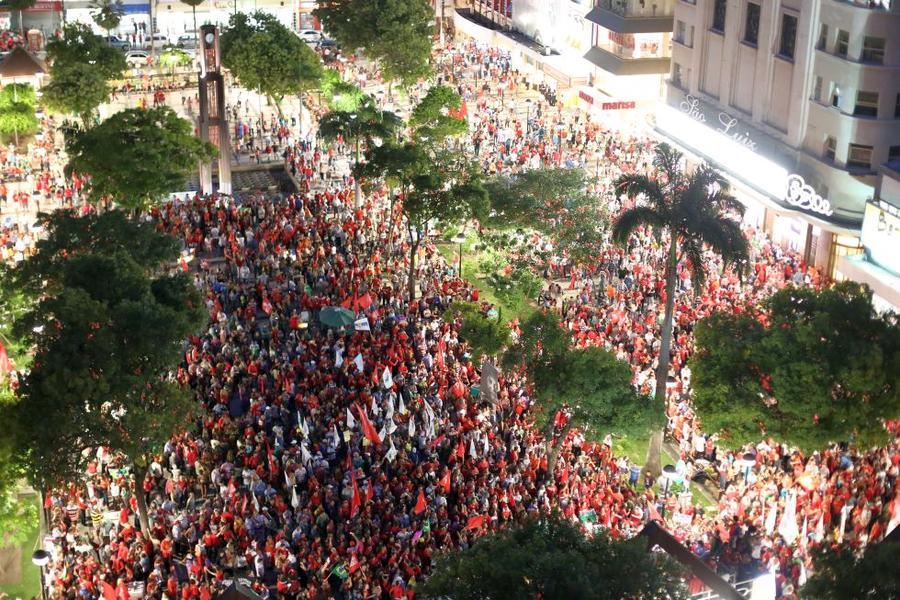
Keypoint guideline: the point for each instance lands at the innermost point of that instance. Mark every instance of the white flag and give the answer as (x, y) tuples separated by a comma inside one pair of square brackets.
[(402, 408), (295, 501), (390, 406), (304, 428), (411, 428), (788, 526), (472, 448), (336, 435), (358, 361), (820, 529), (305, 456), (383, 433), (361, 324), (255, 501), (386, 379), (391, 453), (486, 445), (803, 534), (844, 512), (338, 358), (351, 422)]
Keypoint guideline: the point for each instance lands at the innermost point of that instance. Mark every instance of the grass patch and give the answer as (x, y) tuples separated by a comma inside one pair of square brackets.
[(512, 303)]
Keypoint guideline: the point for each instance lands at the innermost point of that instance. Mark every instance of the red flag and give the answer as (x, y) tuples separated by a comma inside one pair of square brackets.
[(367, 427), (438, 440), (370, 492), (355, 501), (654, 514), (439, 359), (365, 301), (572, 281), (420, 503), (348, 464), (445, 482), (461, 450), (109, 592), (5, 364), (354, 564), (476, 522)]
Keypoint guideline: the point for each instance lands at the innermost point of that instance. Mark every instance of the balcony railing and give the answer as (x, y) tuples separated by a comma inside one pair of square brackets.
[(633, 8)]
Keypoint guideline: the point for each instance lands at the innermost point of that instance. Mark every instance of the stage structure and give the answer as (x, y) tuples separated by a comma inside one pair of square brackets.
[(212, 123)]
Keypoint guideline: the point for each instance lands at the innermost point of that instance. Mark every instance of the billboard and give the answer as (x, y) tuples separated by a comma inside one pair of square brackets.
[(557, 24), (881, 235)]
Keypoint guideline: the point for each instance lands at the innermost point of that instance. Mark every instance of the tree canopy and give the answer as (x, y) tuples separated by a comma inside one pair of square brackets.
[(433, 118), (339, 94), (79, 45), (76, 88), (841, 574), (811, 368), (396, 33), (554, 202), (105, 331), (266, 56), (485, 335), (107, 14), (552, 558), (137, 156)]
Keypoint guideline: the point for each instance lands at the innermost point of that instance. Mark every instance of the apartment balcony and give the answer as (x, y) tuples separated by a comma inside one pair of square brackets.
[(629, 16), (620, 63)]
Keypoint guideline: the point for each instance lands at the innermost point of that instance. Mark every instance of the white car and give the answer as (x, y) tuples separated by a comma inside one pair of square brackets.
[(161, 39), (187, 41), (310, 36), (137, 58)]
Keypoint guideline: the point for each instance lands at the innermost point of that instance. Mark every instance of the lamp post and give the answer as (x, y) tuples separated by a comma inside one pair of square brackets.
[(40, 558), (668, 475), (459, 238), (528, 118)]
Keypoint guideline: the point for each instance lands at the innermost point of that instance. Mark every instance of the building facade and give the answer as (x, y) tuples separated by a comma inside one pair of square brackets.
[(798, 102), (630, 47)]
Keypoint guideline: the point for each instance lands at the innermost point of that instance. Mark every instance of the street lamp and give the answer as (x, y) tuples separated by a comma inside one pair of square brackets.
[(668, 475), (40, 558), (528, 118), (459, 238)]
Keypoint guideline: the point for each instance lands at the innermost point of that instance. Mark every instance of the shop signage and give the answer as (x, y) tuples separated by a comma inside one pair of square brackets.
[(618, 105), (800, 194), (727, 124), (586, 97)]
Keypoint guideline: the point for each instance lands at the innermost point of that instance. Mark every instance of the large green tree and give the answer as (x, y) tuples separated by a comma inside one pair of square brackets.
[(485, 335), (78, 45), (694, 210), (109, 316), (843, 574), (591, 384), (360, 128), (137, 156), (77, 89), (552, 558), (433, 118), (396, 33), (554, 202), (267, 57), (813, 367)]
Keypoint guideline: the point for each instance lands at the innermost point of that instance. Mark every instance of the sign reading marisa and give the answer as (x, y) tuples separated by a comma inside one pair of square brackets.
[(800, 194)]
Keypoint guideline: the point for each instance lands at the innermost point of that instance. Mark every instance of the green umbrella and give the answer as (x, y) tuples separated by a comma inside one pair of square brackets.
[(337, 316)]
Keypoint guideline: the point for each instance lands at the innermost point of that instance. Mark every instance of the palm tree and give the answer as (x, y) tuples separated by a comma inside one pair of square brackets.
[(365, 124), (695, 210), (194, 4), (107, 14)]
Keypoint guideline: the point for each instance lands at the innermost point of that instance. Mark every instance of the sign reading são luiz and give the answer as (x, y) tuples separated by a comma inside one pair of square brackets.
[(796, 193)]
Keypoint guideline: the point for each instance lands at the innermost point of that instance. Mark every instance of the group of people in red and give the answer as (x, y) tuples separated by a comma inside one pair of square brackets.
[(338, 462)]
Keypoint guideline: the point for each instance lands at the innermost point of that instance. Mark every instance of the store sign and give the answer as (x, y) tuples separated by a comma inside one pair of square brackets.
[(727, 124), (619, 105), (800, 194)]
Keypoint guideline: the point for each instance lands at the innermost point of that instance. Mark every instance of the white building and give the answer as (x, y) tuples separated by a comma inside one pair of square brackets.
[(798, 102)]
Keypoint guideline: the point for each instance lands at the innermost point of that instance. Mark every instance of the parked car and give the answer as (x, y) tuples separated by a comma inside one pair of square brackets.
[(161, 39), (117, 42), (187, 41), (137, 58), (310, 36)]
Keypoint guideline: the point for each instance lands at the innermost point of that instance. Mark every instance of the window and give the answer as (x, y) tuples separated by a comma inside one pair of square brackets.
[(823, 37), (680, 28), (676, 74), (866, 104), (835, 96), (843, 42), (718, 20), (860, 156), (897, 108), (873, 50), (893, 153), (751, 27), (830, 145), (817, 90), (788, 36)]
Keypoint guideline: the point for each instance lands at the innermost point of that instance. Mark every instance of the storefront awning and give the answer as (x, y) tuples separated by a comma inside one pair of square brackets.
[(136, 9), (630, 24), (623, 66), (885, 285)]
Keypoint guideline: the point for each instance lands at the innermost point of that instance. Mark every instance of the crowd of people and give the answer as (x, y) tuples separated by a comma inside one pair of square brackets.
[(338, 462)]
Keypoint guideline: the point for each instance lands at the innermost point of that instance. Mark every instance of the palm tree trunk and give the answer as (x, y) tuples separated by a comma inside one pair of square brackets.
[(357, 198), (411, 282), (662, 370), (194, 8)]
